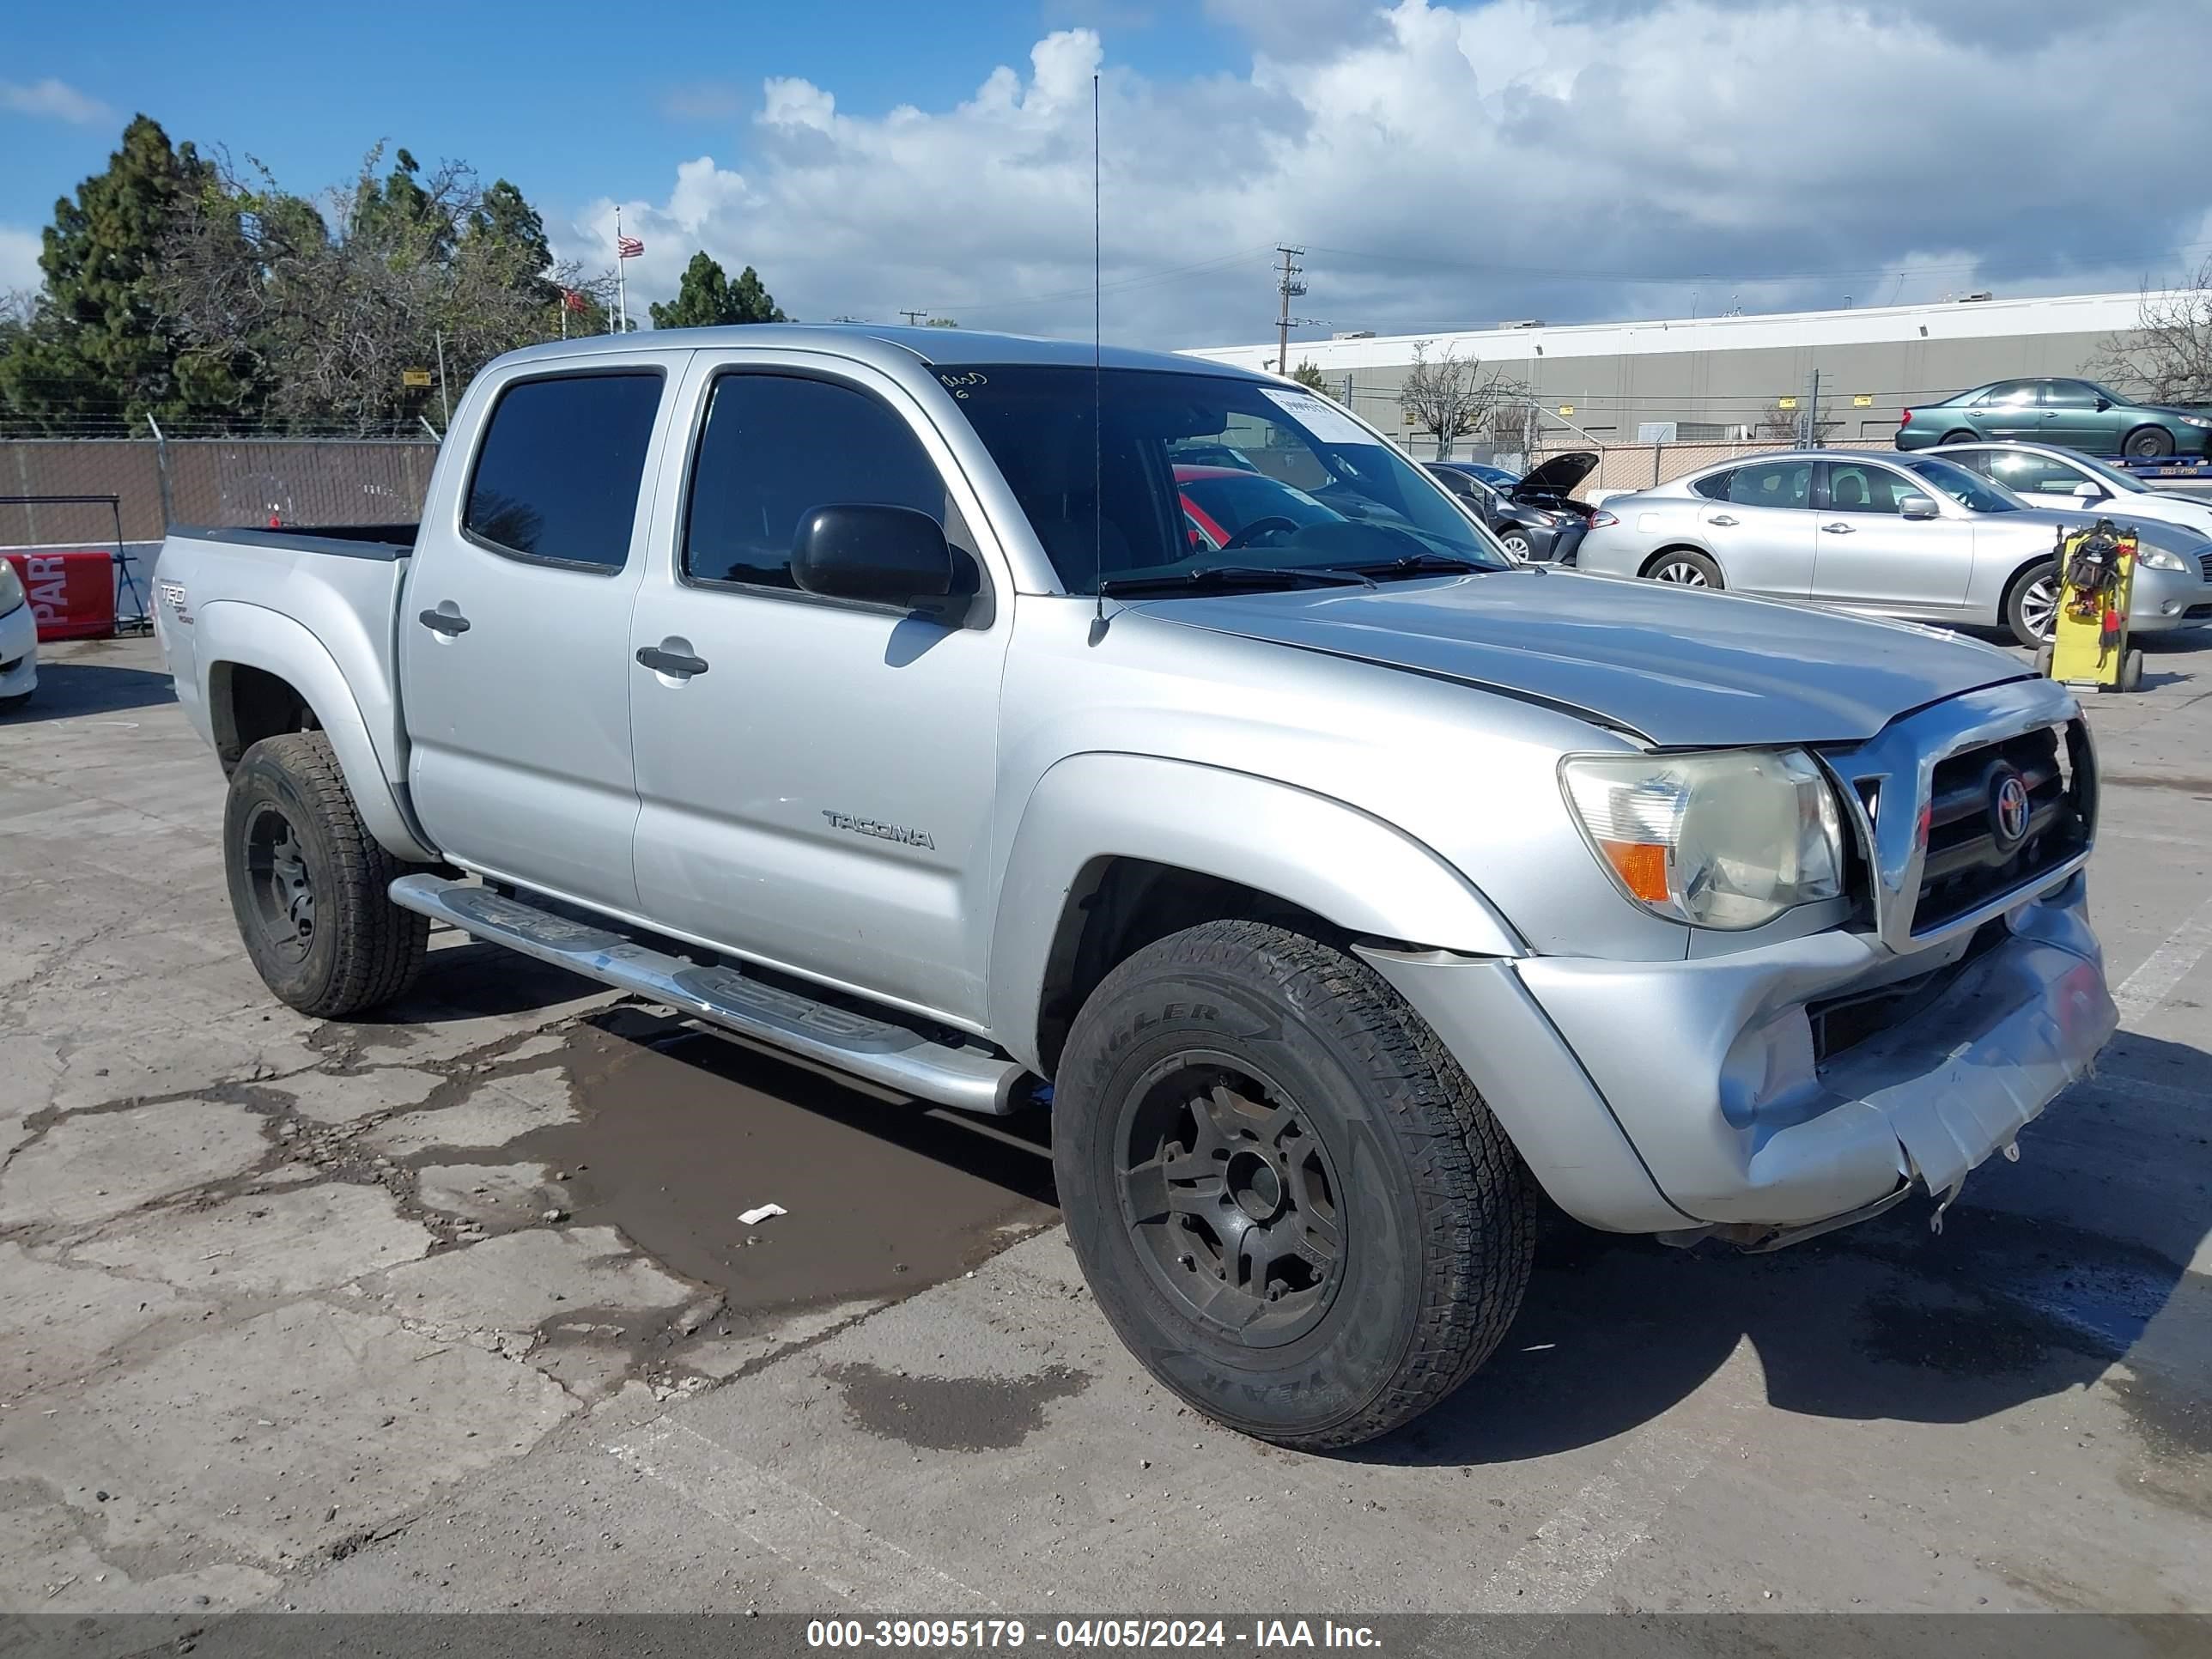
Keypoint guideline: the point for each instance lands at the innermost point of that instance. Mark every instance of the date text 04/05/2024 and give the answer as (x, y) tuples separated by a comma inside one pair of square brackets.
[(1283, 1635)]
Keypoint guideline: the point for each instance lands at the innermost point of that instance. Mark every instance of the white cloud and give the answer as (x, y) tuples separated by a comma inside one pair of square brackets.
[(54, 99), (1452, 167), (19, 260)]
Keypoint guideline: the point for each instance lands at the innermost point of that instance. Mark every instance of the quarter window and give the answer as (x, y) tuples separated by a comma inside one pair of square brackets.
[(1714, 488), (558, 475), (1773, 483), (776, 446)]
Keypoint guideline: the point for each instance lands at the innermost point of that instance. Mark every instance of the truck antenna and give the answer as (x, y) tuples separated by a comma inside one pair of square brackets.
[(1098, 391)]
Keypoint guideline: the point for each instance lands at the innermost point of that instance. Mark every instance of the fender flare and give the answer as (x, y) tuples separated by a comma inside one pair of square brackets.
[(1342, 863), (230, 631)]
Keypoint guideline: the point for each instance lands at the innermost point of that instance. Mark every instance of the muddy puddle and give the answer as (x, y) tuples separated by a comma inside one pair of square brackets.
[(680, 1132)]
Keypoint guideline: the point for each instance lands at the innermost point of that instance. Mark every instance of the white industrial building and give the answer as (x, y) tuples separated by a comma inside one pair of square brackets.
[(1709, 379)]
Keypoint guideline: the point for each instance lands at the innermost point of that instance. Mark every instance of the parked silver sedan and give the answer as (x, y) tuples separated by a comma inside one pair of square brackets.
[(1889, 534)]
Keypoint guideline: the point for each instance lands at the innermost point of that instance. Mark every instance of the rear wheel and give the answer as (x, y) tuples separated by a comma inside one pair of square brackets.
[(1287, 1197), (2148, 441), (2131, 671), (1686, 568), (1961, 436), (308, 883), (2031, 606)]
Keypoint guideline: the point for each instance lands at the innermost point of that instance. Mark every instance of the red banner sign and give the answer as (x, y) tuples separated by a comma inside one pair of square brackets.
[(72, 592)]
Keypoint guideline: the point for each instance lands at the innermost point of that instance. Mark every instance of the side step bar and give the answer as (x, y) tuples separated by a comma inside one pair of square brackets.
[(895, 1056)]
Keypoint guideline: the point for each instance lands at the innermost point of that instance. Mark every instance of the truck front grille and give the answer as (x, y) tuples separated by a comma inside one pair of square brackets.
[(1971, 858)]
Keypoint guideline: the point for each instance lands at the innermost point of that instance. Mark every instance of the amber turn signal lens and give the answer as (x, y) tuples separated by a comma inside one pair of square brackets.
[(1641, 866)]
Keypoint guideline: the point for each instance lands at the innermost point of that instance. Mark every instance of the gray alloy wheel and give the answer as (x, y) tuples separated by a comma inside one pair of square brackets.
[(1517, 544), (2036, 607), (1685, 568)]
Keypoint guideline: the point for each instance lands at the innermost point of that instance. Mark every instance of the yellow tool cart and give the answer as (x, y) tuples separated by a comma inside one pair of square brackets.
[(2090, 645)]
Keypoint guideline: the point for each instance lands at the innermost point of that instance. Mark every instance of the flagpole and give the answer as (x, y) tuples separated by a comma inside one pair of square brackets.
[(622, 278)]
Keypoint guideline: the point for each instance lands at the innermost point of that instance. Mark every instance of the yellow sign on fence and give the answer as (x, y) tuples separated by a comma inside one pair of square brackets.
[(1567, 409), (1785, 403), (415, 377), (1862, 400)]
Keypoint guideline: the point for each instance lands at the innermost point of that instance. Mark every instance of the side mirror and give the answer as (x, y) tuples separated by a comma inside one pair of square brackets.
[(2103, 404), (1917, 506), (2088, 490), (877, 555)]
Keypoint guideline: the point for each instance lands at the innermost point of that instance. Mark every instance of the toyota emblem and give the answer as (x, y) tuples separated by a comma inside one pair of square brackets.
[(2008, 810)]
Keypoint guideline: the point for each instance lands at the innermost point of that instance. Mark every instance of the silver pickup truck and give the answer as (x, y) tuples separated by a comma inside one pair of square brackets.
[(1343, 885)]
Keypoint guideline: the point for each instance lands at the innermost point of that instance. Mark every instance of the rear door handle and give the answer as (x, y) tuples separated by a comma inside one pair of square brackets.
[(1723, 518), (674, 663), (1838, 529), (448, 623)]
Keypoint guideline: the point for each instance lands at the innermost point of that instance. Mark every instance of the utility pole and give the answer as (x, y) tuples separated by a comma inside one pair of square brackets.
[(914, 318), (1813, 414), (1290, 288)]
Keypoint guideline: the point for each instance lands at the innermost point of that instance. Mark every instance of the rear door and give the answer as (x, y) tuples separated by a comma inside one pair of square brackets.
[(818, 795), (2010, 408), (1870, 557), (514, 629), (1759, 527)]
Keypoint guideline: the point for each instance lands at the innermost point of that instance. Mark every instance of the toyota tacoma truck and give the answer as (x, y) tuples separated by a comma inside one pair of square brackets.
[(1342, 886)]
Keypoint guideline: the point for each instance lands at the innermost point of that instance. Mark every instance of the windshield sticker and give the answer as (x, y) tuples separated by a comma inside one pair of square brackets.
[(1321, 418)]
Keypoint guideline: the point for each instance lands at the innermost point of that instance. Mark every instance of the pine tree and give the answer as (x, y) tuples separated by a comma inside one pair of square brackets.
[(707, 298)]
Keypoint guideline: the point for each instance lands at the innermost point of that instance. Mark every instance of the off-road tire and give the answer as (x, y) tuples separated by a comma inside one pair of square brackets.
[(1437, 1225), (364, 950), (2015, 613)]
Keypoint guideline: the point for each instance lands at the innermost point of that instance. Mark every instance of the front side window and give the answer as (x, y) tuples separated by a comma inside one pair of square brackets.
[(1300, 486), (1856, 489), (2032, 474), (1773, 483), (776, 446), (558, 475), (2069, 394)]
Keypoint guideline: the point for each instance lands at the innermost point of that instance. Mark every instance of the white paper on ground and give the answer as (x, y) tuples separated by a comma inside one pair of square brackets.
[(1320, 417), (754, 1217)]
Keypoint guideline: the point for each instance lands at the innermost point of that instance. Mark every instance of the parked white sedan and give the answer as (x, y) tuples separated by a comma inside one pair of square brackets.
[(2064, 479), (1914, 535), (18, 642)]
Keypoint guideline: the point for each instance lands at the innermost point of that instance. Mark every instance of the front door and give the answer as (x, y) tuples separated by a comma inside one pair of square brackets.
[(2076, 416), (817, 793), (513, 640), (1869, 556)]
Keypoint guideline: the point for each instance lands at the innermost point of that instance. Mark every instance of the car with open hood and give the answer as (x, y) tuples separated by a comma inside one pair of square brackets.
[(1535, 517), (1332, 891)]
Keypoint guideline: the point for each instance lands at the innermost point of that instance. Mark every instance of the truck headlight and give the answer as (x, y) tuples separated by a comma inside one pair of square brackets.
[(2159, 558), (1729, 839), (11, 588)]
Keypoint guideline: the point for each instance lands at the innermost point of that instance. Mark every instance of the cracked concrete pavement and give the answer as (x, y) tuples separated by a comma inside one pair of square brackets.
[(450, 1311)]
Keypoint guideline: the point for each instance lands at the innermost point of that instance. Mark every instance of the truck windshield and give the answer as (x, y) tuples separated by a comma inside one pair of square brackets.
[(1145, 495)]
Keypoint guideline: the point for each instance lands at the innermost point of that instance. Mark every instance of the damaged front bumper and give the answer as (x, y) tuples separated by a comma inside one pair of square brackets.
[(1772, 1093)]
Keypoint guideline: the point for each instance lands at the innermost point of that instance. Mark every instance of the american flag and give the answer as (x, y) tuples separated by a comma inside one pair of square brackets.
[(627, 247)]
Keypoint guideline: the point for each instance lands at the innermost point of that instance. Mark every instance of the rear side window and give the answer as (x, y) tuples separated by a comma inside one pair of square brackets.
[(1773, 483), (558, 473), (776, 446)]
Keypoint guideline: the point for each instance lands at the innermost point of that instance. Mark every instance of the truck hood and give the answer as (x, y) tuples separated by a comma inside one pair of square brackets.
[(1676, 667)]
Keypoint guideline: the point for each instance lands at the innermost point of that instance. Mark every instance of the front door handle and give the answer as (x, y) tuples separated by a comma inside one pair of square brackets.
[(674, 663), (1838, 529), (448, 623), (1723, 518)]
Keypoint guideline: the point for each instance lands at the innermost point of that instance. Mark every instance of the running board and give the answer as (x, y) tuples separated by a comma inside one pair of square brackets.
[(892, 1055)]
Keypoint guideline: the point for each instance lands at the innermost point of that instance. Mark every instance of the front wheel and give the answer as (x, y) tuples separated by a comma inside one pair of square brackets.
[(2032, 607), (1517, 544), (2148, 441), (1288, 1198), (1685, 567), (308, 883)]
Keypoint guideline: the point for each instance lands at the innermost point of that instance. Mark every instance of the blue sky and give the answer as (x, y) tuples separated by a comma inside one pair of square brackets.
[(1447, 163)]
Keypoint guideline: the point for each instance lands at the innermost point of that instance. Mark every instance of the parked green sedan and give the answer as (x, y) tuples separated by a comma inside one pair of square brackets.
[(2072, 414)]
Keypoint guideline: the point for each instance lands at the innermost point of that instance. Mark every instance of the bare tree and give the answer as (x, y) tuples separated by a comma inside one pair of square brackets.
[(1787, 426), (1450, 396), (2167, 355)]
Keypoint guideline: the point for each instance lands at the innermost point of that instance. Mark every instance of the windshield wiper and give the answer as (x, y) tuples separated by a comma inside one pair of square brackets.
[(1215, 578), (1424, 564)]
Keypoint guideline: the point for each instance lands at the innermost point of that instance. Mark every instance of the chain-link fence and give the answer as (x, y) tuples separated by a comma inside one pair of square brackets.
[(215, 481)]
